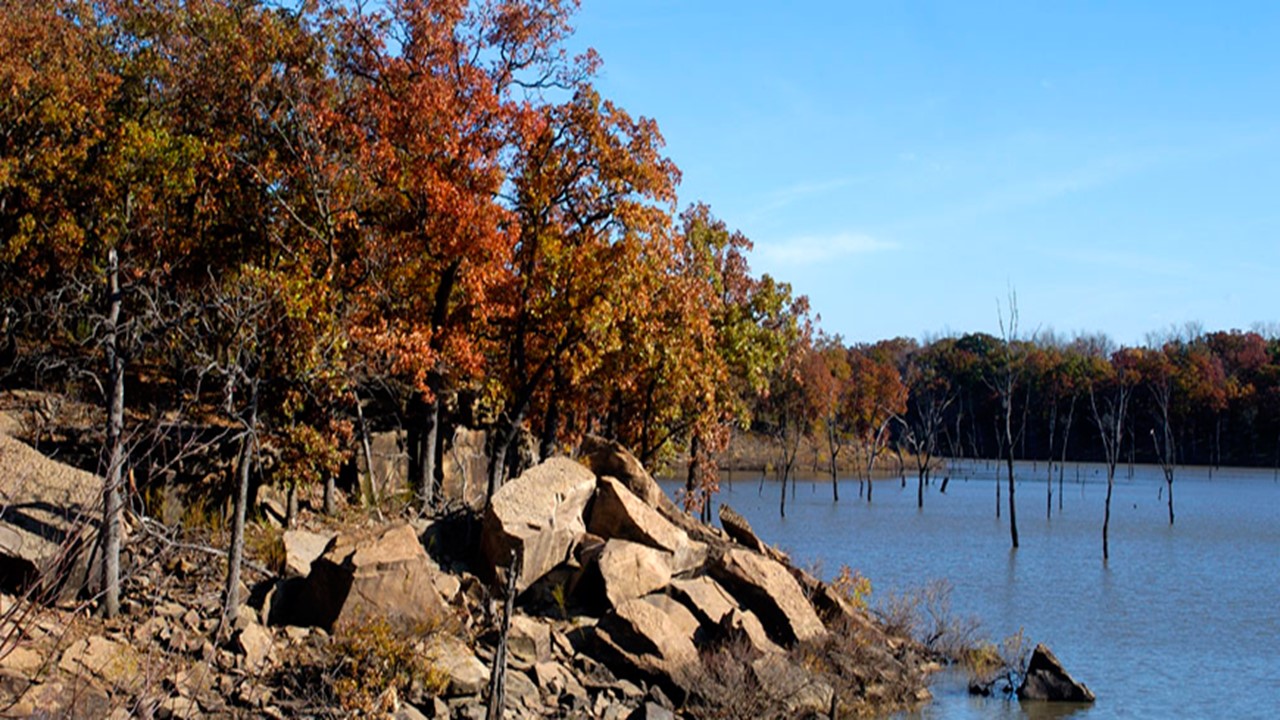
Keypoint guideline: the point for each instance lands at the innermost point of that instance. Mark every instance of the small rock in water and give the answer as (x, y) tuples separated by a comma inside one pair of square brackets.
[(1046, 679)]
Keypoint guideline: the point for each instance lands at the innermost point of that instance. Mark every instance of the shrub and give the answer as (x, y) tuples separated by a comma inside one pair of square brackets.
[(376, 660), (853, 586), (925, 614)]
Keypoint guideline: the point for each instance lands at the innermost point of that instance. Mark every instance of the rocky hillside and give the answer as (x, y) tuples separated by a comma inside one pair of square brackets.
[(623, 607)]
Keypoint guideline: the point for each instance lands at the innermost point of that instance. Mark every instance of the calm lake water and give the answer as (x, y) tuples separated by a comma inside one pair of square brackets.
[(1183, 621)]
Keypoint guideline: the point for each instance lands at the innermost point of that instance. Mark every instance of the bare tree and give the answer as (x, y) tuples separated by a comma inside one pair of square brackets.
[(1004, 380), (1110, 389)]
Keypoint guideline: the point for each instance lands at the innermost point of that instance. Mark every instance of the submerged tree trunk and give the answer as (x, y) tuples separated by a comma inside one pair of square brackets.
[(235, 553), (1066, 438), (1048, 485), (112, 500), (1106, 515)]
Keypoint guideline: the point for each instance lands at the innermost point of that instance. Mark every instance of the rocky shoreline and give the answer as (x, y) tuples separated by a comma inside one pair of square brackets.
[(625, 607)]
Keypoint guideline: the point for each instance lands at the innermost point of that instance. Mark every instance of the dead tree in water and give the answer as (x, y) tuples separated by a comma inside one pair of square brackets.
[(1110, 388)]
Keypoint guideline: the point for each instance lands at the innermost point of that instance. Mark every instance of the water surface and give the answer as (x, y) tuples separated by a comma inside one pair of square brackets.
[(1183, 621)]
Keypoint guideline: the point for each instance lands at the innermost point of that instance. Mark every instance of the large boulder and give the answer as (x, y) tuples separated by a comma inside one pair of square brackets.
[(631, 570), (48, 521), (765, 587), (610, 458), (617, 512), (650, 638), (538, 516), (607, 458), (388, 575), (1046, 679)]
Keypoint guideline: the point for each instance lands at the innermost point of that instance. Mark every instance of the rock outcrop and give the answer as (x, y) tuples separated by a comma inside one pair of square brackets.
[(1046, 679), (654, 616)]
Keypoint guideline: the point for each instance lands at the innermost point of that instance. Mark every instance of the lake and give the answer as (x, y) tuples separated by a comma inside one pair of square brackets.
[(1183, 621)]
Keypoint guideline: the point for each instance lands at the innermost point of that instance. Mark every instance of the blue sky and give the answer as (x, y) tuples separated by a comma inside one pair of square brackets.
[(904, 164)]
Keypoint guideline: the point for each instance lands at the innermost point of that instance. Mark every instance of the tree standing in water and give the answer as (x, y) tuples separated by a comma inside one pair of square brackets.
[(1110, 387)]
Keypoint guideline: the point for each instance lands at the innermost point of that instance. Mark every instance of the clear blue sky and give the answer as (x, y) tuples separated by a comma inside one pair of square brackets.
[(905, 163)]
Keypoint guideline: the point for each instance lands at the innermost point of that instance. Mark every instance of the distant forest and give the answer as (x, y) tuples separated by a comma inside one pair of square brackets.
[(1189, 397)]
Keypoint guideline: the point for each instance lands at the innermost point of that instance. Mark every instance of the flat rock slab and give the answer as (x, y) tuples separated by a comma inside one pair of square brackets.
[(114, 663), (45, 506), (631, 570)]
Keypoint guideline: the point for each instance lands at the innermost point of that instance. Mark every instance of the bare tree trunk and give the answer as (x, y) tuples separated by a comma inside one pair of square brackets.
[(291, 504), (374, 497), (330, 491), (691, 481), (235, 553), (1106, 515), (1066, 438), (835, 453), (112, 501), (1053, 422), (498, 676), (549, 443)]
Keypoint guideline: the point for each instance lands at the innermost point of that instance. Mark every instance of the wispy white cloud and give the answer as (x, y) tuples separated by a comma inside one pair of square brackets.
[(809, 250), (784, 197)]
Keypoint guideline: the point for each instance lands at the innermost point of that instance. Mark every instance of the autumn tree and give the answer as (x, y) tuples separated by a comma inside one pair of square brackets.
[(593, 198), (436, 106)]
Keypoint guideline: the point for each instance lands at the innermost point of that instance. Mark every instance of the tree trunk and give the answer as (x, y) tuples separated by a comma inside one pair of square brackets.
[(1013, 509), (1066, 438), (330, 491), (498, 675), (112, 501), (549, 444), (372, 495), (835, 453), (691, 481), (1106, 515), (1008, 434), (290, 505), (920, 489), (235, 553), (502, 443), (1053, 422), (430, 449)]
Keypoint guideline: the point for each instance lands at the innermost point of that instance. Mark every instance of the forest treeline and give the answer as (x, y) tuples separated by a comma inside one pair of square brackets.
[(1193, 397), (264, 228)]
